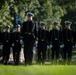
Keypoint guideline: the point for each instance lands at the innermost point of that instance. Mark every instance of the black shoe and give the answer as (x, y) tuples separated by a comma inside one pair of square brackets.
[(5, 63), (43, 61), (39, 62), (52, 62), (26, 64), (68, 63), (16, 63), (57, 62)]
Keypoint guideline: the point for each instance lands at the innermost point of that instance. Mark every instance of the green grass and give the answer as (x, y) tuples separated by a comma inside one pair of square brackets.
[(38, 70)]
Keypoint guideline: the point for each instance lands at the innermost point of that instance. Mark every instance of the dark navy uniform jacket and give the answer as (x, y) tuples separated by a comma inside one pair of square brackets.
[(7, 38), (29, 30), (68, 36), (43, 35), (16, 37), (0, 37), (55, 37)]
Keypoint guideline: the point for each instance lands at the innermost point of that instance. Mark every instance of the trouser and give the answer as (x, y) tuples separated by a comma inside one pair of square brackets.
[(28, 50), (42, 47), (6, 52), (16, 52), (67, 52), (55, 52)]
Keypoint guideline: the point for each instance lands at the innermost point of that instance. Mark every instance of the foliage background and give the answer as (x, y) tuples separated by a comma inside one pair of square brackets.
[(44, 10)]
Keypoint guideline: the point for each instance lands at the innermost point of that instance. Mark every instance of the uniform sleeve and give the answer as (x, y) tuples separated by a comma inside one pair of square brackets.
[(11, 38), (22, 29), (60, 37), (50, 36), (2, 37), (36, 30), (74, 37)]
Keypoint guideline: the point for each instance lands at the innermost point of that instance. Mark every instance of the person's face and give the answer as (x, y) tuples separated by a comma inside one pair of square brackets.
[(68, 26), (56, 26), (43, 27), (30, 17), (7, 29), (18, 29)]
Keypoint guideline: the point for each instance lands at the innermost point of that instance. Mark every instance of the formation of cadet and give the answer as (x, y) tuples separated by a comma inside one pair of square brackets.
[(29, 33)]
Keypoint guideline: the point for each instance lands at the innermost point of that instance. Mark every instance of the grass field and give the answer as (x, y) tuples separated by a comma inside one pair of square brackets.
[(38, 70)]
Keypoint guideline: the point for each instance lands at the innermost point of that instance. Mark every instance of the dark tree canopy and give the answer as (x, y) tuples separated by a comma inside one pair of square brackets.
[(44, 10)]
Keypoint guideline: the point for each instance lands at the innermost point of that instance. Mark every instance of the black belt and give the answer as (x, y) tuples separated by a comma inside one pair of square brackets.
[(28, 33)]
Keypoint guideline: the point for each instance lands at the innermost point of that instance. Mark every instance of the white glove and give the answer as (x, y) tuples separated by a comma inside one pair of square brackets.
[(21, 41), (13, 44), (51, 46), (61, 46)]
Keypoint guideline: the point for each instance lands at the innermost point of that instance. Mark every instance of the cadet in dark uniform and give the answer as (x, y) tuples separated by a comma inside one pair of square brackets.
[(0, 36), (29, 33), (42, 43), (74, 37), (17, 45), (6, 44), (68, 35), (55, 40), (0, 43)]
